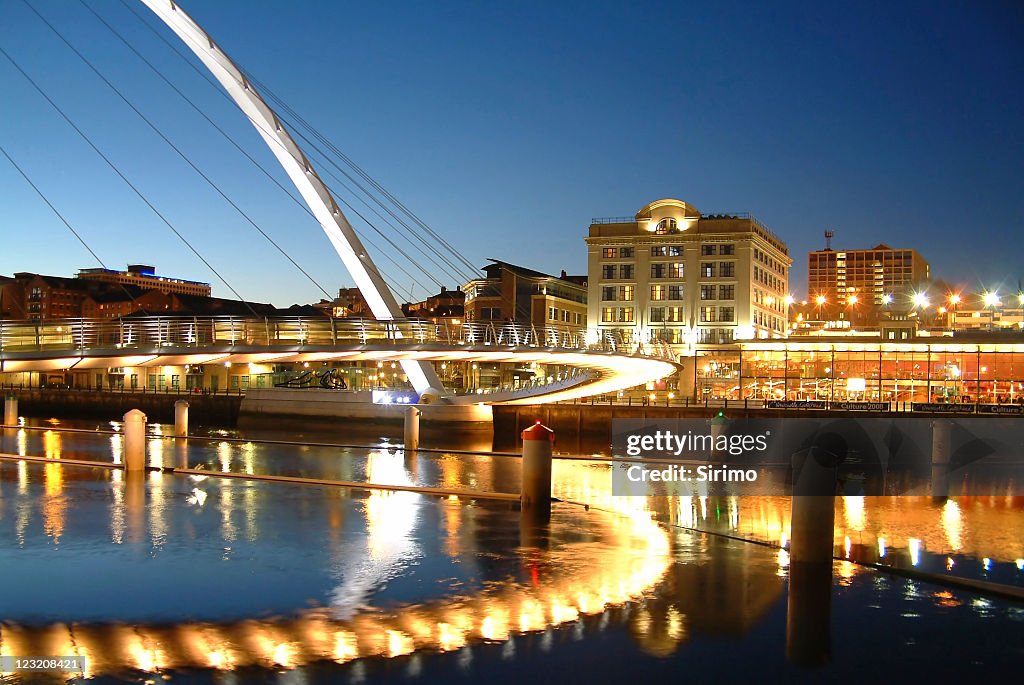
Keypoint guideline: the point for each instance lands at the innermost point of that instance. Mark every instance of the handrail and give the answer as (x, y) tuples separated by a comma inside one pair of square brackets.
[(79, 336)]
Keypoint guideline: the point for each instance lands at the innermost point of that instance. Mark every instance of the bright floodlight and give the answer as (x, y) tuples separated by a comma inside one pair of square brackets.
[(954, 298), (852, 299), (920, 300), (790, 299), (991, 299), (820, 299), (887, 299)]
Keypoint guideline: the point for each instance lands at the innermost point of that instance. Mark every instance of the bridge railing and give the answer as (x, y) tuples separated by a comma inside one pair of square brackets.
[(192, 333)]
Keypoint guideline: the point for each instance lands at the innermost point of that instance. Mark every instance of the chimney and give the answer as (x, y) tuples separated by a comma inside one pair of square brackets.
[(444, 289), (563, 274)]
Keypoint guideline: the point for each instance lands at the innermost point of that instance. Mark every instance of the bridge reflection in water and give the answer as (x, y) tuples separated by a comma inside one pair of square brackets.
[(614, 564)]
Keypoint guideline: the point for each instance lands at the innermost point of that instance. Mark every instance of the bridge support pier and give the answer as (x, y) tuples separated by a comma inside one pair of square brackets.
[(135, 441), (412, 428), (535, 496), (11, 410), (181, 419), (809, 606), (942, 438)]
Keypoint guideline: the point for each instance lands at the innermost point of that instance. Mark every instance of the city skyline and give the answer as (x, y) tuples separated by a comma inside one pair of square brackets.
[(510, 140)]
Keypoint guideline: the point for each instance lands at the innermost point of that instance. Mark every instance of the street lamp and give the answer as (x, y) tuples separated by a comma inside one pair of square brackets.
[(954, 300), (991, 301), (820, 300)]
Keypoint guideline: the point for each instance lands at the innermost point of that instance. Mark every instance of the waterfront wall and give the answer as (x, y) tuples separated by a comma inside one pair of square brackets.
[(221, 410), (588, 427)]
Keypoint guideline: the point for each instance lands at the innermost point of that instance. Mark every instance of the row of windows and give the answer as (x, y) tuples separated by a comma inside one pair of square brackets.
[(617, 252), (565, 316), (764, 319), (724, 270), (769, 279), (706, 314), (625, 293), (769, 261), (718, 292), (724, 249)]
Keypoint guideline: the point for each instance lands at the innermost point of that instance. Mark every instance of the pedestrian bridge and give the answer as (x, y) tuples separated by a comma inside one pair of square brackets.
[(589, 363)]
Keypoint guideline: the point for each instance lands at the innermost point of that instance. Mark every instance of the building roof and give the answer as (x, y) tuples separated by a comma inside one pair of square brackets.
[(523, 271)]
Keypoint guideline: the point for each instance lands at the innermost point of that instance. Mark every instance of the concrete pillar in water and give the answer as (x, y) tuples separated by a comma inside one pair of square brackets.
[(535, 497), (412, 428), (11, 410), (181, 419), (942, 440), (135, 441), (808, 636)]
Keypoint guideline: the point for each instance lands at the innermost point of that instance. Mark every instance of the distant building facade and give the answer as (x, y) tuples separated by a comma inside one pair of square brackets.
[(145, 276), (445, 306), (673, 274), (866, 275), (514, 293)]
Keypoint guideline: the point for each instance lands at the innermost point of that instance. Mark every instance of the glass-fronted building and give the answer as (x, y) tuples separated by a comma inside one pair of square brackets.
[(981, 370)]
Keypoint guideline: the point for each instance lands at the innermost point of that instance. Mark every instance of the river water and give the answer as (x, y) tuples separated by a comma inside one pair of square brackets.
[(205, 579)]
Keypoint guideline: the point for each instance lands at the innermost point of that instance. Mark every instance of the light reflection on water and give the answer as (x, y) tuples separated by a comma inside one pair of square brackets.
[(614, 556)]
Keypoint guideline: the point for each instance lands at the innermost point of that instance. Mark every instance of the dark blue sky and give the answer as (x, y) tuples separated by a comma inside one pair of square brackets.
[(507, 126)]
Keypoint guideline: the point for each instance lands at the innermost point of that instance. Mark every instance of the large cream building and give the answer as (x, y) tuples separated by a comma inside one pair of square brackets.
[(673, 274)]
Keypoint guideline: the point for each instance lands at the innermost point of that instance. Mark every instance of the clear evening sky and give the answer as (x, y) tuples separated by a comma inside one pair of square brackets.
[(507, 126)]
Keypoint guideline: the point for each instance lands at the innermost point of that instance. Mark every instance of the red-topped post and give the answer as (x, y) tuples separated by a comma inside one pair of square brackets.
[(535, 497)]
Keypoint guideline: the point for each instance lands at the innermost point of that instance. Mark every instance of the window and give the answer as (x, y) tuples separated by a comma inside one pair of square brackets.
[(725, 313), (626, 271), (625, 252), (676, 270), (666, 226), (579, 319), (674, 314), (609, 253), (175, 381), (706, 250), (671, 335), (625, 293), (658, 292), (673, 250), (657, 314), (727, 292), (607, 314), (658, 270), (707, 269), (608, 271), (658, 251), (552, 314), (727, 269), (625, 314), (565, 315), (727, 249), (675, 292), (608, 293), (707, 292), (490, 313), (707, 314)]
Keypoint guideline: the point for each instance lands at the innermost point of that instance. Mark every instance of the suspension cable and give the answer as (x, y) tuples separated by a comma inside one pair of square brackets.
[(124, 178), (66, 223)]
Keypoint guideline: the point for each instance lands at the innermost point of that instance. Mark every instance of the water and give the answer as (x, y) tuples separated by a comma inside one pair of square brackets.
[(203, 579)]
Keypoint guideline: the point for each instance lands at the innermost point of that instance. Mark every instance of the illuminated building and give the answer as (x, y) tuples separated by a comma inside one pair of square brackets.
[(145, 276), (866, 274), (514, 293), (674, 274)]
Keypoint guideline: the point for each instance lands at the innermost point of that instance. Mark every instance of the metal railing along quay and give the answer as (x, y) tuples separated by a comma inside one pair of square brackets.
[(190, 333)]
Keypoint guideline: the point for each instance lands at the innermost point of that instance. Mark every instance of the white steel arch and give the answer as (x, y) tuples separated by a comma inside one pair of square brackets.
[(313, 190)]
